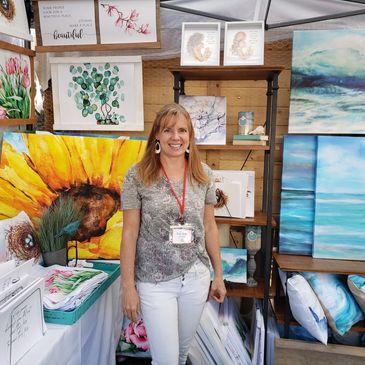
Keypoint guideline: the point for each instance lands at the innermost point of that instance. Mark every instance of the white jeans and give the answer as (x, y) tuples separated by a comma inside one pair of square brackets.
[(171, 311)]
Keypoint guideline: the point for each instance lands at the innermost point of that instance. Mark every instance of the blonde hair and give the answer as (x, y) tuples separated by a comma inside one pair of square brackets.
[(148, 169)]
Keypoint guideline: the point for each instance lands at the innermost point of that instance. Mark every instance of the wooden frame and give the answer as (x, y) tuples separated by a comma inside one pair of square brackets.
[(200, 44), (13, 19), (17, 57), (244, 43), (97, 93), (71, 37)]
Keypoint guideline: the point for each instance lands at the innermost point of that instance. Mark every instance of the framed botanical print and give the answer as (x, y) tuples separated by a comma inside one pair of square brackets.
[(97, 93), (96, 25), (16, 85), (200, 44)]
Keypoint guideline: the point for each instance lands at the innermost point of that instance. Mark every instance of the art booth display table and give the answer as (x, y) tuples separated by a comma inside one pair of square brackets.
[(91, 340)]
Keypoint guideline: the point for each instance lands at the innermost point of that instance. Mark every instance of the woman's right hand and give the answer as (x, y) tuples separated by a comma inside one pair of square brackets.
[(130, 303)]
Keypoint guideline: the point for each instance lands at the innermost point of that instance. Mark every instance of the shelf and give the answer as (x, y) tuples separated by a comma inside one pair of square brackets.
[(280, 316), (227, 73), (244, 291), (260, 219), (307, 263), (231, 147)]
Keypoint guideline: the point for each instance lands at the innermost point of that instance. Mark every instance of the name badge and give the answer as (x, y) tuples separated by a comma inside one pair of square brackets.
[(181, 234)]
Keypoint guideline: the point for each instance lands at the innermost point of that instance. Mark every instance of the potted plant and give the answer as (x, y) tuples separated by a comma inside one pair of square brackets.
[(57, 225)]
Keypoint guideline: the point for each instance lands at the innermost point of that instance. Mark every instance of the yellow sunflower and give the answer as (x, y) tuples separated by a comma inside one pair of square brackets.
[(37, 168)]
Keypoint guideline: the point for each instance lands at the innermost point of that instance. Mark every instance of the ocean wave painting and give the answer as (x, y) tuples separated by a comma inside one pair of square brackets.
[(297, 195), (339, 221), (328, 82)]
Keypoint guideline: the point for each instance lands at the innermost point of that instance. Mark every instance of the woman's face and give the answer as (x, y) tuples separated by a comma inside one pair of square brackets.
[(174, 137)]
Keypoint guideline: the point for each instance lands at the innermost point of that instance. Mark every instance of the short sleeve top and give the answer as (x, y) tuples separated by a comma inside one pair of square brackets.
[(156, 258)]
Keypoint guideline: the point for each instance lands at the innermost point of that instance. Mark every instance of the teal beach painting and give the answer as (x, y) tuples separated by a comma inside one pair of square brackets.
[(339, 220), (297, 195), (328, 82)]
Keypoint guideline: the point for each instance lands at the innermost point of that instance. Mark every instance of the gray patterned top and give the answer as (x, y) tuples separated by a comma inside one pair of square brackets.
[(157, 259)]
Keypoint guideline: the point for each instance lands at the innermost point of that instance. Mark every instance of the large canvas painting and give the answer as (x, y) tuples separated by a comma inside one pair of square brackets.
[(36, 169), (13, 19), (98, 93), (339, 228), (328, 82), (16, 85), (208, 114), (297, 195)]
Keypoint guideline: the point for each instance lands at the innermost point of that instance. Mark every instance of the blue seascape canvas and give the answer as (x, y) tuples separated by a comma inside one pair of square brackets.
[(328, 82), (339, 223), (297, 195), (234, 264)]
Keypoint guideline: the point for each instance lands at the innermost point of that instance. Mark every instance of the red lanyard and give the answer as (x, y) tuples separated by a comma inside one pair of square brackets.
[(182, 202)]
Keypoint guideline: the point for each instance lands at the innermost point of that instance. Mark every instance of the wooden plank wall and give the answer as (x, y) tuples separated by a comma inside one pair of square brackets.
[(241, 96)]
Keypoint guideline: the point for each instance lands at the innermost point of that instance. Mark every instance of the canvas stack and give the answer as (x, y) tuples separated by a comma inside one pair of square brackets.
[(250, 139)]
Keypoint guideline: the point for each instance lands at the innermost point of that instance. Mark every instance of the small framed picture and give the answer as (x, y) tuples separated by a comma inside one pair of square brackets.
[(244, 43), (200, 44)]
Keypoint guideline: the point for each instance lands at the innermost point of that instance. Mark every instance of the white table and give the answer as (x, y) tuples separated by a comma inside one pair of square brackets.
[(91, 340)]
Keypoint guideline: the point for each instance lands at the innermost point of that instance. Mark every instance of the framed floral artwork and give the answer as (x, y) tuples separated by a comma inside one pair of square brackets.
[(244, 43), (97, 25), (97, 93), (16, 85), (13, 19), (200, 44)]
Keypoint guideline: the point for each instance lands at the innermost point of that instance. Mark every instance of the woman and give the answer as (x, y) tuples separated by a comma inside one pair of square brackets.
[(169, 231)]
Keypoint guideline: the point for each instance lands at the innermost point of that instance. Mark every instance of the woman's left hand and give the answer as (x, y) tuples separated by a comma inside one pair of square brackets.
[(217, 290)]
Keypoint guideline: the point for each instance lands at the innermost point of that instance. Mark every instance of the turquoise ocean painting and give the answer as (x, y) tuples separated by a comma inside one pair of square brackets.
[(339, 223), (328, 82), (297, 195)]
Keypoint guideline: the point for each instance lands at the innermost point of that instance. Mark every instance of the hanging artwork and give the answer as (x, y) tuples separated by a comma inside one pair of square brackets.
[(13, 19), (16, 85), (98, 25), (208, 114), (36, 169), (339, 223), (327, 83), (297, 195), (98, 93), (200, 44)]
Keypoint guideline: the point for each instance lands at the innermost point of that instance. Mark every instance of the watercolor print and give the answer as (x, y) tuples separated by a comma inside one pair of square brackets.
[(67, 22), (36, 169), (200, 44), (328, 82), (124, 21), (297, 195), (13, 19), (15, 85), (234, 264), (339, 223), (208, 114), (98, 95)]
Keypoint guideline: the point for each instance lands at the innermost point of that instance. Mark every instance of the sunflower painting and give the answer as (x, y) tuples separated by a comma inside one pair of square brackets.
[(38, 169)]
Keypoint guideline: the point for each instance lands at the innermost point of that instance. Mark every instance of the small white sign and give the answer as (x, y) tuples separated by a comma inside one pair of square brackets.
[(67, 22)]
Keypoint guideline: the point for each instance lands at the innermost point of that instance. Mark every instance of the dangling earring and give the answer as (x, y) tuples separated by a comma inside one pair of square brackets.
[(157, 147), (187, 150)]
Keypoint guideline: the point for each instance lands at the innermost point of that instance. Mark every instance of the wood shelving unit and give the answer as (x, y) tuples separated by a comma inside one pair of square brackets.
[(231, 147), (244, 291), (260, 219)]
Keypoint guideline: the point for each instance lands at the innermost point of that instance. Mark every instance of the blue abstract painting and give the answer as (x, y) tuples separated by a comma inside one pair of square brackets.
[(339, 222), (234, 264), (328, 82), (297, 195)]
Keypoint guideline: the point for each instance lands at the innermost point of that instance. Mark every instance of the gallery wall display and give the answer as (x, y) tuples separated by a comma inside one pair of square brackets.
[(13, 19), (78, 25), (244, 43), (97, 93), (200, 44), (36, 169), (327, 82), (16, 85), (208, 114)]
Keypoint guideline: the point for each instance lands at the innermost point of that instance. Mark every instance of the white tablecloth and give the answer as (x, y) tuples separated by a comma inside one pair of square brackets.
[(91, 340)]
